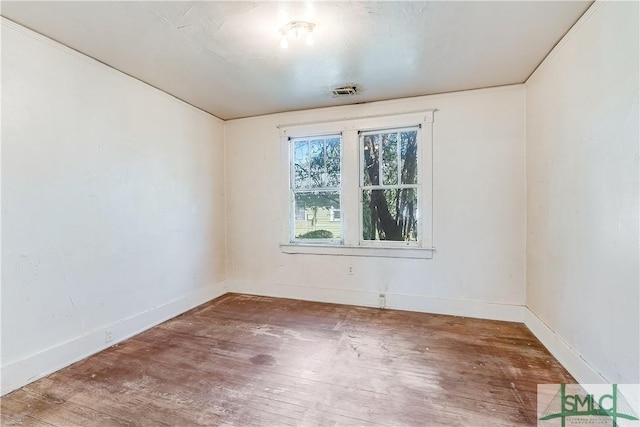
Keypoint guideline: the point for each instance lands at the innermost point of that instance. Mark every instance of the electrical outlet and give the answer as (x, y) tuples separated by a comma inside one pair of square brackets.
[(382, 300), (350, 271), (108, 336)]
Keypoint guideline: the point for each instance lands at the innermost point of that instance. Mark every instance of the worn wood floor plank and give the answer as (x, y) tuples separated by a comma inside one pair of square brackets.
[(243, 360)]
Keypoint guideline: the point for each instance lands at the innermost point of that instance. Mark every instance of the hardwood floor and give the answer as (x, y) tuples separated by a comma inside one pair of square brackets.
[(242, 360)]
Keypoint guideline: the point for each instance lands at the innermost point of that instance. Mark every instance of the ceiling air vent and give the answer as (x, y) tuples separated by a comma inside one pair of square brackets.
[(345, 91)]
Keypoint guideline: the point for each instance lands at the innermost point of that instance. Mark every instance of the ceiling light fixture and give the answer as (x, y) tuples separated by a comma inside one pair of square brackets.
[(297, 29)]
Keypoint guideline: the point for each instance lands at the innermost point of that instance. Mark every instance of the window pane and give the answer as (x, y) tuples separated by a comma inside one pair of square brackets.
[(390, 214), (409, 154), (371, 166), (315, 169), (390, 158), (333, 162), (301, 160), (318, 222), (318, 177)]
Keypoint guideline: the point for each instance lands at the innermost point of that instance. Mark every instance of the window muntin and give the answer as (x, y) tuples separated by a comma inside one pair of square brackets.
[(389, 185), (315, 186)]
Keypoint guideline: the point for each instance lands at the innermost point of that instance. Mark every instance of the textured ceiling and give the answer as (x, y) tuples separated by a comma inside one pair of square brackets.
[(225, 58)]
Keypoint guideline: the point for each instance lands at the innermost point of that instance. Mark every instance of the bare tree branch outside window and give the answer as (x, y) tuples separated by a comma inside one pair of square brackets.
[(390, 185)]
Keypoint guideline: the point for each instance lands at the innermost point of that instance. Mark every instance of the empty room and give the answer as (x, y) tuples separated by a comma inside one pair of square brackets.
[(320, 213)]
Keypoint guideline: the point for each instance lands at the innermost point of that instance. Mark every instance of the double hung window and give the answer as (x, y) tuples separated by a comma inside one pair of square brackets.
[(360, 186), (315, 179), (389, 184)]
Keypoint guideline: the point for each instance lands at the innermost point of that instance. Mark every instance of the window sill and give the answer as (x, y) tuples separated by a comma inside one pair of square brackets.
[(363, 251)]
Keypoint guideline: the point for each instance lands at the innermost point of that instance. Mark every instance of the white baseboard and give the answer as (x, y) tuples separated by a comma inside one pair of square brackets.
[(45, 362), (566, 355), (366, 298)]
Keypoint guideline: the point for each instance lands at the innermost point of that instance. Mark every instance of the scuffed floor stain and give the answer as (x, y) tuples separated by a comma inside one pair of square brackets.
[(296, 335), (264, 330), (263, 359)]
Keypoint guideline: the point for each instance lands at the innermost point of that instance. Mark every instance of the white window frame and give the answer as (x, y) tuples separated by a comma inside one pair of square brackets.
[(350, 205)]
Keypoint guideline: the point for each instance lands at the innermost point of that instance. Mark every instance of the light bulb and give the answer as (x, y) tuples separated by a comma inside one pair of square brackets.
[(284, 43), (309, 39)]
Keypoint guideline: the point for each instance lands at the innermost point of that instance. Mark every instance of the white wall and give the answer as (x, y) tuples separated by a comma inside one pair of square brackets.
[(112, 205), (582, 184), (479, 213)]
